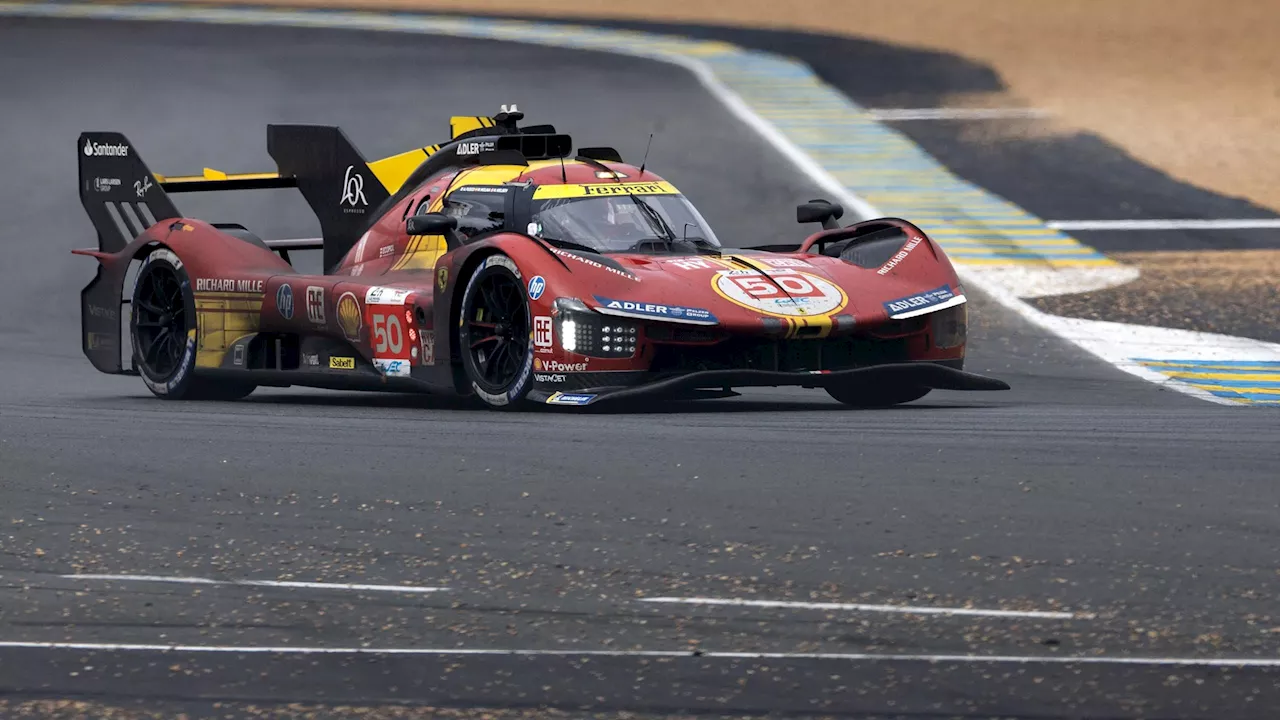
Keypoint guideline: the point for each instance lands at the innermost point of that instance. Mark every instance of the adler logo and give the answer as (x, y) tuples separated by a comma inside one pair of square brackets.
[(475, 148), (92, 149)]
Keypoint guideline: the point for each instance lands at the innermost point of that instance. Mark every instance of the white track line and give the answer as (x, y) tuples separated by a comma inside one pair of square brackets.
[(901, 114), (1254, 224), (259, 583), (505, 652), (859, 607)]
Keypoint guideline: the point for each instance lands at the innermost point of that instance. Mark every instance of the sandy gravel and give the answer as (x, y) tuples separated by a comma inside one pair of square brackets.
[(1234, 292), (1188, 86)]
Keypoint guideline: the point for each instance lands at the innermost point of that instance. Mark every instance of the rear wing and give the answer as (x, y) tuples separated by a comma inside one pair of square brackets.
[(123, 197)]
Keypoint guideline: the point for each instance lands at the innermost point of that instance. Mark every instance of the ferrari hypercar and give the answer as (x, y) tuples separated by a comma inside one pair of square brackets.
[(506, 266)]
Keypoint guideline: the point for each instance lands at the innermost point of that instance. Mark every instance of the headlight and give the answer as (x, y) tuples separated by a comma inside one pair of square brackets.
[(950, 327), (589, 333), (569, 334)]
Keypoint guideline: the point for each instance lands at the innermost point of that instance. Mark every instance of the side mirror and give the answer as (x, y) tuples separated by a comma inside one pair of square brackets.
[(820, 211), (430, 224)]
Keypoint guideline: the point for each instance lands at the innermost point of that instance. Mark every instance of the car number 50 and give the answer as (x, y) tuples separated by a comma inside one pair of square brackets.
[(388, 334), (760, 287)]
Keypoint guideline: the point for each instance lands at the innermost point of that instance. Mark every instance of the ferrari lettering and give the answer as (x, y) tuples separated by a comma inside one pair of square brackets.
[(900, 256), (604, 189), (625, 189), (228, 285)]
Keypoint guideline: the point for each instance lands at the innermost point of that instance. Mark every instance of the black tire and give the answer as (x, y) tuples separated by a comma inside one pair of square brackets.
[(163, 331), (494, 336), (864, 397)]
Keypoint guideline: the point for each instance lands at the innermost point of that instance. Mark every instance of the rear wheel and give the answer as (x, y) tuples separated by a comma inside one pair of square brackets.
[(163, 326), (494, 334), (865, 397)]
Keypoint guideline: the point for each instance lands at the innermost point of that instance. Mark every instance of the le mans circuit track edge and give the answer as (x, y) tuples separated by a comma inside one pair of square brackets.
[(875, 171)]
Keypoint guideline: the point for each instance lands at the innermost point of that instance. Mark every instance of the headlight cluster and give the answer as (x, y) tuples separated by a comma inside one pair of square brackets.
[(950, 326), (589, 333)]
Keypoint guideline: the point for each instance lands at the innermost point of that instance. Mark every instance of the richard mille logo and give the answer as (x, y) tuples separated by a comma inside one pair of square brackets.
[(353, 192)]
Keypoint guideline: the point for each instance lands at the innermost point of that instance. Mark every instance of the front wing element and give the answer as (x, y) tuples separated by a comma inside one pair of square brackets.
[(918, 374)]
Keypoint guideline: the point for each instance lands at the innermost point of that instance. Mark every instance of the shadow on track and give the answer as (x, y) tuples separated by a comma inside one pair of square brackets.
[(632, 407)]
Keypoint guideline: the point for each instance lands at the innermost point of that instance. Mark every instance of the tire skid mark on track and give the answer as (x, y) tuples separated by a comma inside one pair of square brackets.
[(258, 583), (863, 607)]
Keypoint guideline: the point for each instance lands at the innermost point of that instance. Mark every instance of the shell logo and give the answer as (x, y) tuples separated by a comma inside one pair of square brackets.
[(349, 315)]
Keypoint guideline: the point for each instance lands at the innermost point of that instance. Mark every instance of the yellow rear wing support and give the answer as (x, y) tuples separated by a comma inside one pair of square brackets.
[(212, 180)]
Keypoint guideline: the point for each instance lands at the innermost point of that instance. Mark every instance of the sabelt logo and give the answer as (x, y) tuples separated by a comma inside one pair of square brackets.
[(555, 366), (93, 149), (342, 363)]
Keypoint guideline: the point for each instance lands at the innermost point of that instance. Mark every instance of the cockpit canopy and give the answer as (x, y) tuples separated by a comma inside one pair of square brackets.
[(606, 218)]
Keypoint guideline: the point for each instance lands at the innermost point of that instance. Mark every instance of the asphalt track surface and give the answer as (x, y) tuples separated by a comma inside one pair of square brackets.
[(1082, 490)]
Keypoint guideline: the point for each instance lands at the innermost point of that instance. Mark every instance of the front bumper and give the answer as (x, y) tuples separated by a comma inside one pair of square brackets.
[(935, 375)]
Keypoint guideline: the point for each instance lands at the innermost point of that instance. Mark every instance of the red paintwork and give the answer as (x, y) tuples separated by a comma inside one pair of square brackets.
[(670, 280)]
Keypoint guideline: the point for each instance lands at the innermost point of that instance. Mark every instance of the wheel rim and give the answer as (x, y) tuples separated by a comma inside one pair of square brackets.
[(498, 331), (161, 321)]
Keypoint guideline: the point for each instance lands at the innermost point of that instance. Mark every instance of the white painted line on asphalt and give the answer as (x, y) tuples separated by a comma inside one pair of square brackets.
[(860, 607), (1246, 224), (259, 583), (901, 114), (512, 652)]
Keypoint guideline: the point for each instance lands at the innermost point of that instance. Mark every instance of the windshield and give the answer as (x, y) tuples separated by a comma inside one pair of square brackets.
[(623, 223)]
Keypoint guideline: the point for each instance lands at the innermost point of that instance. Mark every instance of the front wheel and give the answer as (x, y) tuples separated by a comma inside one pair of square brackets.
[(876, 397), (494, 334), (163, 328)]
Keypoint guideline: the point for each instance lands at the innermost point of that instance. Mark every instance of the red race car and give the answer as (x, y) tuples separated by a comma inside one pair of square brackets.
[(502, 265)]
